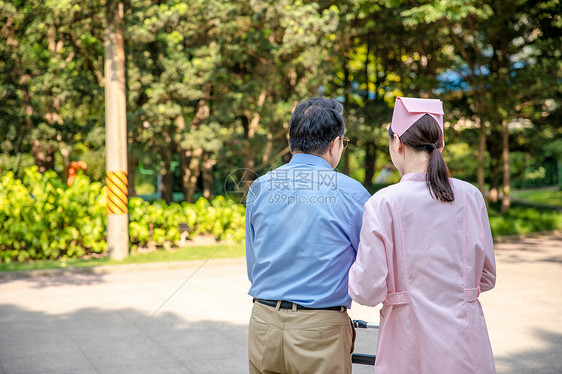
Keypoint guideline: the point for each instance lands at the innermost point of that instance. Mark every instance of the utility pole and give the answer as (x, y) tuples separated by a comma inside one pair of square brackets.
[(115, 135)]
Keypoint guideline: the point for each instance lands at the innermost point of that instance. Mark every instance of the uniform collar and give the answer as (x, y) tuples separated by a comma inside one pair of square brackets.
[(415, 177), (308, 159)]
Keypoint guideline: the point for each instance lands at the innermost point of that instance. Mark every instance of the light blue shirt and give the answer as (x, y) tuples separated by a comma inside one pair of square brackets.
[(302, 232)]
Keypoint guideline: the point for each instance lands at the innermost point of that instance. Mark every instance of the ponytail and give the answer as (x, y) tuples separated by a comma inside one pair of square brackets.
[(437, 177), (426, 135)]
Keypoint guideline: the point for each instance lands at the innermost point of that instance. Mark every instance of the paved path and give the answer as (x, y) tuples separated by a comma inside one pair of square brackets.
[(180, 318)]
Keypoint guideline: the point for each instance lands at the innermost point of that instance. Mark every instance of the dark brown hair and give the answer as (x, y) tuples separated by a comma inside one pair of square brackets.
[(426, 135), (314, 124)]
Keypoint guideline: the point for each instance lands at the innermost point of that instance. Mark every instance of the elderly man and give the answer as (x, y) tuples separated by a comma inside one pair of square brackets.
[(302, 231)]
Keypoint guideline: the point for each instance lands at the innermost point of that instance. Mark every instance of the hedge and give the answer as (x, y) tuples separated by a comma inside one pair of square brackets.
[(43, 218)]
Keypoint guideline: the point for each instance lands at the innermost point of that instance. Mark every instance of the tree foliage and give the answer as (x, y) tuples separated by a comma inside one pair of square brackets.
[(211, 84)]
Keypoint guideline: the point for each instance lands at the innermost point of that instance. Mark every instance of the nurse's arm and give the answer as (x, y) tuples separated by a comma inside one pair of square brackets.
[(367, 276), (488, 277)]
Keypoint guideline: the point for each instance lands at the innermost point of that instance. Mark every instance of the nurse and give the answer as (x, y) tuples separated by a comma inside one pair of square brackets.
[(426, 253)]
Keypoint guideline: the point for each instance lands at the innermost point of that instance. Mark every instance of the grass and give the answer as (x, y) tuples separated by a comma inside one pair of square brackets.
[(202, 252), (545, 196)]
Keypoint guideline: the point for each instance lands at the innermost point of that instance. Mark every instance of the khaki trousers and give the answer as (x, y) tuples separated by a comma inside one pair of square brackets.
[(299, 341)]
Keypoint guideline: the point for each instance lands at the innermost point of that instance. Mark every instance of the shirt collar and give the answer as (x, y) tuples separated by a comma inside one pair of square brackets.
[(415, 177), (308, 159)]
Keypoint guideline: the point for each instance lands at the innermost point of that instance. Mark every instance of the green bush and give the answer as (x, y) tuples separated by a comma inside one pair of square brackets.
[(157, 223), (521, 220), (42, 218)]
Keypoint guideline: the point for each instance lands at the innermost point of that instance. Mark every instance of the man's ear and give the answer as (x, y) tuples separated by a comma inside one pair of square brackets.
[(333, 146)]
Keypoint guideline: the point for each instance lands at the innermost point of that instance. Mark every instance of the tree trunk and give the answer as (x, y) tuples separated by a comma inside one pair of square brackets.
[(494, 144), (190, 170), (346, 88), (267, 150), (251, 130), (481, 153), (370, 159), (190, 158), (132, 164), (370, 146), (345, 168), (167, 177), (44, 156), (65, 152), (207, 174), (559, 164), (506, 199)]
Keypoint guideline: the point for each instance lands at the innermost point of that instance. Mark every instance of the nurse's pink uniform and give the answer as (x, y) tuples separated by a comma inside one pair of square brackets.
[(426, 261)]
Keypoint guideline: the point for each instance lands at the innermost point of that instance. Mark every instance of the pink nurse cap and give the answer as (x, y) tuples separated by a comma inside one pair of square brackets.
[(408, 110)]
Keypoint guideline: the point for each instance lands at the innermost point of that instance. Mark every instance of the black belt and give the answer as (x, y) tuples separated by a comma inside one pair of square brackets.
[(289, 305)]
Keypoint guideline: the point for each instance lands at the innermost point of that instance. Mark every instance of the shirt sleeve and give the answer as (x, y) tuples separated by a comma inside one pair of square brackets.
[(488, 278), (357, 221), (367, 276)]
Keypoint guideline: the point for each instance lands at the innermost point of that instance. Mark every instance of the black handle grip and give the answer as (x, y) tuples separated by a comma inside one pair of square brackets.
[(359, 324), (362, 359)]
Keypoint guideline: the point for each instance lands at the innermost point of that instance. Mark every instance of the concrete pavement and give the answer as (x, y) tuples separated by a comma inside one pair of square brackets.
[(192, 317)]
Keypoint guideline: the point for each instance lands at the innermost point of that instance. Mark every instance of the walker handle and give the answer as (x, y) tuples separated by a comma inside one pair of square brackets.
[(360, 324)]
